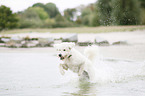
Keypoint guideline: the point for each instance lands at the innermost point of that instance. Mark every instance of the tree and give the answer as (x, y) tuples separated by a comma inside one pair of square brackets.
[(70, 14), (40, 11), (39, 5), (30, 19), (49, 23), (62, 22), (8, 20), (142, 3), (51, 9), (88, 15), (126, 12), (104, 8), (142, 11)]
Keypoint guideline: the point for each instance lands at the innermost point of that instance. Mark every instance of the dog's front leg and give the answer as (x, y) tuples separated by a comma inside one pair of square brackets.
[(65, 66), (81, 70), (62, 67)]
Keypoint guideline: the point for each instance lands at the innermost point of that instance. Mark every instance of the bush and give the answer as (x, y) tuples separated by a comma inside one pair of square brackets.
[(30, 19), (104, 8), (8, 20), (126, 12), (143, 16)]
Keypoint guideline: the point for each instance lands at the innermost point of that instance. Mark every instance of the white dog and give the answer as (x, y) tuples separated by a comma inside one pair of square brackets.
[(77, 62)]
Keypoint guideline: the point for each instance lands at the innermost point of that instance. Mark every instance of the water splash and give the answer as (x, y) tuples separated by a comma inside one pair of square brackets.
[(116, 70)]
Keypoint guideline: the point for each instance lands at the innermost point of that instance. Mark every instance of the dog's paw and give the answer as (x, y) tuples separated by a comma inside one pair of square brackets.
[(79, 74), (65, 66), (62, 72)]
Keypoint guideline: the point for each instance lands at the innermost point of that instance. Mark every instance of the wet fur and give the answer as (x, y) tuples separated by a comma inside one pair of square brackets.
[(75, 61)]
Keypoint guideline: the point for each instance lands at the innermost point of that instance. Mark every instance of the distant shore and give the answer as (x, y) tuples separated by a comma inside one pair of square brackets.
[(98, 29), (129, 36), (134, 51)]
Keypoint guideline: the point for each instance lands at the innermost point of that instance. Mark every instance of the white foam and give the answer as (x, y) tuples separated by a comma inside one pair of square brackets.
[(117, 70)]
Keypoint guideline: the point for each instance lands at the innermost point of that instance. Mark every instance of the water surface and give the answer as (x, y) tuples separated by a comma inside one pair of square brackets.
[(37, 74)]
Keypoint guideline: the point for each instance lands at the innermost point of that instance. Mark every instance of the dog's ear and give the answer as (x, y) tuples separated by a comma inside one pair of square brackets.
[(56, 46), (71, 45)]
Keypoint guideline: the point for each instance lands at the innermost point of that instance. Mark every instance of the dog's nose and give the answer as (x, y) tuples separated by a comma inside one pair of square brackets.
[(59, 55)]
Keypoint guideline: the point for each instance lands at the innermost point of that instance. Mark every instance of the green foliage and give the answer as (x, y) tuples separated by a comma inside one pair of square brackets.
[(8, 20), (62, 22), (49, 23), (50, 9), (143, 16), (39, 5), (86, 11), (41, 13), (78, 21), (29, 19), (104, 11), (142, 3), (126, 12), (119, 12), (94, 21), (88, 15), (69, 14)]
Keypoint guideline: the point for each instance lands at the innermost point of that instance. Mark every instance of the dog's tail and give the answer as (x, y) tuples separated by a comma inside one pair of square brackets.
[(91, 52)]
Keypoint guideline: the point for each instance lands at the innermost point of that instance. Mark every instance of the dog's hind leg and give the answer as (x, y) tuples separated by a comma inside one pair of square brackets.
[(84, 76), (81, 70), (91, 74)]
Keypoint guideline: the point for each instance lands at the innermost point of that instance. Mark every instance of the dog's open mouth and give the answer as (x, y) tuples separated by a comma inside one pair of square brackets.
[(61, 58)]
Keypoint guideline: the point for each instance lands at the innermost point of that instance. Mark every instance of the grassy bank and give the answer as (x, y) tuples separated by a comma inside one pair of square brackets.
[(100, 29)]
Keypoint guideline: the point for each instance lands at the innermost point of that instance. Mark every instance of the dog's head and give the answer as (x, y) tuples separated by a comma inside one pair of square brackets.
[(64, 49)]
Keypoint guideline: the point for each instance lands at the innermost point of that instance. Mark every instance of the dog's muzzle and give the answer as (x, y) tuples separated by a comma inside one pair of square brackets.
[(61, 57)]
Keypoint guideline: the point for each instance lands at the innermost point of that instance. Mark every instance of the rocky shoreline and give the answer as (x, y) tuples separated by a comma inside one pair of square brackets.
[(133, 50), (29, 41)]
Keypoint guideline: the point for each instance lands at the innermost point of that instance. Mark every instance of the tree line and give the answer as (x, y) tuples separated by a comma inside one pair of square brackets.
[(101, 13)]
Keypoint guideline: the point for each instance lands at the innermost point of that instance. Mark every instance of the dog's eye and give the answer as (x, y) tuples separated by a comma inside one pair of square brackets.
[(64, 50)]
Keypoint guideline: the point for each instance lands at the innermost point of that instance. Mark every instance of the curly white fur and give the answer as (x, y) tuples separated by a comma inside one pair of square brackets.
[(77, 62)]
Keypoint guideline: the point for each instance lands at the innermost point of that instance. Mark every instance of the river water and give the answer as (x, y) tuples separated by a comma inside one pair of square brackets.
[(37, 74)]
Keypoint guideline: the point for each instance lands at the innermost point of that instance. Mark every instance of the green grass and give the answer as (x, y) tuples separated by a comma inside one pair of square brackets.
[(100, 29)]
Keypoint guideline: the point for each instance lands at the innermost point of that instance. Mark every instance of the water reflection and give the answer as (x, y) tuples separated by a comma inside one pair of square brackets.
[(84, 89)]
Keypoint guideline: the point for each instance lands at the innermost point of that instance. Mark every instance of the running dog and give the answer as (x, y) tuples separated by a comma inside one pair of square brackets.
[(77, 62)]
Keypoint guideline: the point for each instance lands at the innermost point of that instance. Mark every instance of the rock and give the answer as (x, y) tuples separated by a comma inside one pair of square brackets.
[(11, 44), (45, 42), (5, 40), (57, 41), (23, 42), (27, 38), (70, 38), (33, 43), (2, 44), (28, 44), (101, 41), (120, 43), (14, 42), (16, 38), (86, 43)]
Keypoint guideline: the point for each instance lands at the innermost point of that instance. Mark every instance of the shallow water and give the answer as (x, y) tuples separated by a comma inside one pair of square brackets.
[(37, 74)]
